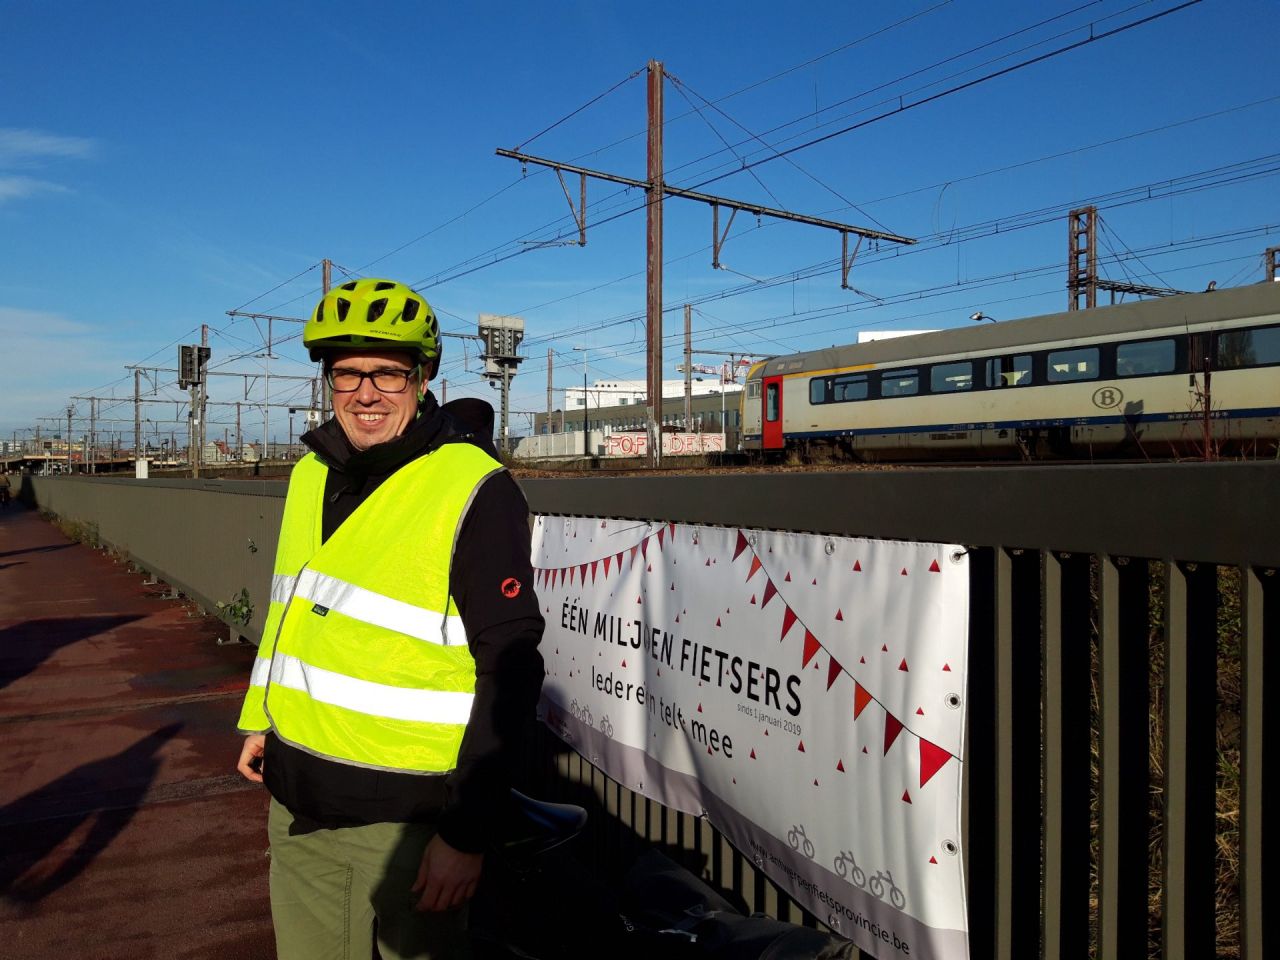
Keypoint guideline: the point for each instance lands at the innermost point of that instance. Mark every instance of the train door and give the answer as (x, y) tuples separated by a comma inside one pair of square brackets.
[(772, 413)]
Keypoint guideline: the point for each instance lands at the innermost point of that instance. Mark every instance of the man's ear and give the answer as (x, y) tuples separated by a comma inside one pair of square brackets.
[(429, 370)]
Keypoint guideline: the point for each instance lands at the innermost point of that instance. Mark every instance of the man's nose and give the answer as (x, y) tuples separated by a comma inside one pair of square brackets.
[(367, 393)]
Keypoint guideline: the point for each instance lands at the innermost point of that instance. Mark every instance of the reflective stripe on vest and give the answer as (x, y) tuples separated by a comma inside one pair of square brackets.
[(381, 611), (364, 696)]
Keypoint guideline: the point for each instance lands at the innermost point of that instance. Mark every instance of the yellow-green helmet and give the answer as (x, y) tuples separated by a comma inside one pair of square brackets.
[(374, 314)]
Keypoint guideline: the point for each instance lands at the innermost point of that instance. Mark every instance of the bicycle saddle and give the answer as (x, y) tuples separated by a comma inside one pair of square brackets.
[(536, 826)]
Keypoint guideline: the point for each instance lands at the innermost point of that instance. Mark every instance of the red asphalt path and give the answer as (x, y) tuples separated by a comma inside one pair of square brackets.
[(125, 831)]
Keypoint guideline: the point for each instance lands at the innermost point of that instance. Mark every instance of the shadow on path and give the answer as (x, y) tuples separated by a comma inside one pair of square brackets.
[(24, 646), (105, 794), (48, 548)]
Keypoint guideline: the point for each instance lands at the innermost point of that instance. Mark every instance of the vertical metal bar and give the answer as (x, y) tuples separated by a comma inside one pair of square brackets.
[(688, 367), (1065, 920), (1190, 759), (715, 236), (1260, 605), (653, 287), (978, 778), (582, 208), (1122, 885), (1017, 747)]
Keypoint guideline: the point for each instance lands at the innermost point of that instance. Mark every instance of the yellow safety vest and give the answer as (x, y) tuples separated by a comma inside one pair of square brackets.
[(363, 657)]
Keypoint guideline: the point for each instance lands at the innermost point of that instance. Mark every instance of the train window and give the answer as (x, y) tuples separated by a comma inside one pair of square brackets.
[(1249, 348), (771, 402), (1146, 358), (1067, 365), (753, 390), (899, 383), (818, 390), (1008, 371), (951, 377), (851, 386)]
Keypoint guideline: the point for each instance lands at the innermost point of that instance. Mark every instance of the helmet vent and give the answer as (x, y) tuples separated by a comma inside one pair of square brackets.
[(384, 285), (410, 311), (376, 310), (320, 312), (343, 306), (349, 286)]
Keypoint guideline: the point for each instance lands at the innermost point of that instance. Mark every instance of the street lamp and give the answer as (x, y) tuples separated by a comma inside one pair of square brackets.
[(980, 316)]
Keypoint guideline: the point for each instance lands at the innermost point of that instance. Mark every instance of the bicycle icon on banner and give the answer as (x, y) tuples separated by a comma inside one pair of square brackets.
[(847, 869), (796, 837), (877, 889)]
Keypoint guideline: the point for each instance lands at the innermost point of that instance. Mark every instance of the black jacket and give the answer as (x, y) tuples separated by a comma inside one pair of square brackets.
[(503, 631)]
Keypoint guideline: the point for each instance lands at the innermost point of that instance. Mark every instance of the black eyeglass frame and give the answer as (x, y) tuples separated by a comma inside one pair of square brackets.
[(372, 376)]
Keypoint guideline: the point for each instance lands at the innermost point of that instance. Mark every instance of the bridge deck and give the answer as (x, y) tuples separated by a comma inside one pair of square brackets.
[(124, 830)]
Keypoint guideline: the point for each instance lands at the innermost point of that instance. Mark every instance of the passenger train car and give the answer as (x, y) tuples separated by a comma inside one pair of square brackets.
[(1149, 378)]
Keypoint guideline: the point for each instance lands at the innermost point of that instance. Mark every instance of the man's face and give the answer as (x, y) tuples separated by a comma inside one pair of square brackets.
[(369, 416)]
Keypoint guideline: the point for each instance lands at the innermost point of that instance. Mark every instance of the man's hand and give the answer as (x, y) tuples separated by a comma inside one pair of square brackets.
[(447, 877), (255, 744)]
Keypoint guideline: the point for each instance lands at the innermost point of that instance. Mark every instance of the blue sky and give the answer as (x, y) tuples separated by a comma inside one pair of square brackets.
[(162, 163)]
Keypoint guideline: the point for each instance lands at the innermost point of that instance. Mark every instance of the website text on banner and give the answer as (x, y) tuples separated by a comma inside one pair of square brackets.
[(805, 693)]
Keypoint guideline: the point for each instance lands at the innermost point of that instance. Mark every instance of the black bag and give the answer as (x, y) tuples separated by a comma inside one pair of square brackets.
[(676, 907)]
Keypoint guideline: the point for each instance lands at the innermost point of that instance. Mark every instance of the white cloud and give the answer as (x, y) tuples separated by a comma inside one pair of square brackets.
[(19, 147), (15, 188)]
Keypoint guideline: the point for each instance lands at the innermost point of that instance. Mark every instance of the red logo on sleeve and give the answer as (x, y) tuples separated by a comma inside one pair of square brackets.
[(511, 587)]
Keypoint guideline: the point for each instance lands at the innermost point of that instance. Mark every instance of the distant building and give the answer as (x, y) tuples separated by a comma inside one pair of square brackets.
[(622, 393)]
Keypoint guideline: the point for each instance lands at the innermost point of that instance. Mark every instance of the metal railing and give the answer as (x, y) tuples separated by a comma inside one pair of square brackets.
[(1115, 778)]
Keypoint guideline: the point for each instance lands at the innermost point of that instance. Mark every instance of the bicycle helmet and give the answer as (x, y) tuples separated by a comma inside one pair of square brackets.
[(374, 314)]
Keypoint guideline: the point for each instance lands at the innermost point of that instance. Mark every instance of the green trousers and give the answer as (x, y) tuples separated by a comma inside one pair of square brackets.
[(333, 892)]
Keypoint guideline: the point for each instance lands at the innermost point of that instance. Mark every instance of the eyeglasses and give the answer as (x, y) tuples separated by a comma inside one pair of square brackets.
[(343, 380)]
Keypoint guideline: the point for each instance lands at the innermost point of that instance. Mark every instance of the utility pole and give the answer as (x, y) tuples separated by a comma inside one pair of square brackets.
[(549, 362), (239, 438), (326, 400), (93, 436), (1083, 281), (70, 411), (653, 246), (688, 367), (444, 391), (137, 414), (204, 390), (656, 189), (1273, 264)]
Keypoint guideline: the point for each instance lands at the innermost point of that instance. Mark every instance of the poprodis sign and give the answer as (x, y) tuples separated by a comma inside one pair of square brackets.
[(805, 693), (673, 444)]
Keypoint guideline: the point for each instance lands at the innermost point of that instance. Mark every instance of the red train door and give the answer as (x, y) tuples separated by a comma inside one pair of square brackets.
[(772, 422)]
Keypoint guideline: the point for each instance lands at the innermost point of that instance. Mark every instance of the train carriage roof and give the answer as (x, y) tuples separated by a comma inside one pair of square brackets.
[(1191, 309)]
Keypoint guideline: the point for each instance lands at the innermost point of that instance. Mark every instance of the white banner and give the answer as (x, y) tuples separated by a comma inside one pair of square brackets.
[(805, 693)]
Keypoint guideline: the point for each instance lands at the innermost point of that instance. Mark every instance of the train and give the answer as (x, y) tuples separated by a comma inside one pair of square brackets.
[(1186, 375)]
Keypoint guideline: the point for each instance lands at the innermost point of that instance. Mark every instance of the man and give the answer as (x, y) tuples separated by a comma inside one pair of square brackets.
[(399, 662)]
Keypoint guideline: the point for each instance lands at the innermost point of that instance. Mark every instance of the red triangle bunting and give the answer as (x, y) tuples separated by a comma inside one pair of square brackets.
[(742, 545), (861, 697), (839, 615), (892, 727), (934, 568), (661, 533), (582, 574), (801, 747), (594, 565), (903, 666), (787, 578), (755, 565), (644, 548), (769, 592), (788, 621), (840, 765), (811, 647), (833, 670), (857, 566), (906, 797), (606, 566), (932, 759)]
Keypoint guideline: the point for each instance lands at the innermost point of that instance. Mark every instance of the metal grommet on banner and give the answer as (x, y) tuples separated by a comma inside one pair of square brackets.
[(950, 847), (829, 547), (753, 538), (952, 700), (958, 555), (833, 921)]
